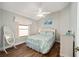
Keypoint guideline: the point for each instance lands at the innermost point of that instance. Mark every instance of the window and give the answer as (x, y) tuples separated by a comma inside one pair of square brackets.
[(23, 30)]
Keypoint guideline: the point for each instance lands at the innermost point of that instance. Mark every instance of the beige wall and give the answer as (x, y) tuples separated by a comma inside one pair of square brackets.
[(34, 27), (8, 19)]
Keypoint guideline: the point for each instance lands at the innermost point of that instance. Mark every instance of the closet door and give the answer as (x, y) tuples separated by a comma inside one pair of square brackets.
[(77, 36)]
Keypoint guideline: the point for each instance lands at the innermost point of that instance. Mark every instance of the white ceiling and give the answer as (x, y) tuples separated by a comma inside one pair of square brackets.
[(30, 9)]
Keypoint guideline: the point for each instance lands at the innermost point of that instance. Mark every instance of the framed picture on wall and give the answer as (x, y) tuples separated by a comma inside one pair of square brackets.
[(47, 22)]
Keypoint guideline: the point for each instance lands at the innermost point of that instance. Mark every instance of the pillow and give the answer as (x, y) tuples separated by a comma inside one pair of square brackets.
[(46, 33), (43, 33)]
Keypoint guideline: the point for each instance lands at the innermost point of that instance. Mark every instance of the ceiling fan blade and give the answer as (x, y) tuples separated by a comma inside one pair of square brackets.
[(46, 12), (39, 10), (41, 13)]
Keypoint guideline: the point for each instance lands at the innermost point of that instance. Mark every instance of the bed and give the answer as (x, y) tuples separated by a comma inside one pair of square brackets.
[(41, 42)]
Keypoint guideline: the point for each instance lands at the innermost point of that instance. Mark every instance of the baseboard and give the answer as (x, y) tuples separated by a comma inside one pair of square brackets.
[(19, 43), (58, 41), (15, 44)]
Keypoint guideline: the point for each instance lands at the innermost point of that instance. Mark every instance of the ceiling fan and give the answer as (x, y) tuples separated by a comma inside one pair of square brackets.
[(41, 13)]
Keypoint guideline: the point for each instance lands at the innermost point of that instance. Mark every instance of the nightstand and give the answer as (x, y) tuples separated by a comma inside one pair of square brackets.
[(66, 46)]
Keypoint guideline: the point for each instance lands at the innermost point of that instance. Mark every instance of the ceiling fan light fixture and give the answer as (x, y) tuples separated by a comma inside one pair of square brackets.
[(41, 13)]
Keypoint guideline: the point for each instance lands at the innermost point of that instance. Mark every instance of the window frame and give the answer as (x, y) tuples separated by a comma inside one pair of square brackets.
[(23, 29)]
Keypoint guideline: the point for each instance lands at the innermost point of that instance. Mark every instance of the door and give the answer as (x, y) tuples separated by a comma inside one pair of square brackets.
[(77, 35)]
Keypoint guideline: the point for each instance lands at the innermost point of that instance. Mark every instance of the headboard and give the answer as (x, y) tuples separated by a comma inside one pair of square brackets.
[(52, 30), (47, 29)]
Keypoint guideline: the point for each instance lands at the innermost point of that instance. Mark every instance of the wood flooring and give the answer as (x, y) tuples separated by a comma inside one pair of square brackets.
[(24, 51)]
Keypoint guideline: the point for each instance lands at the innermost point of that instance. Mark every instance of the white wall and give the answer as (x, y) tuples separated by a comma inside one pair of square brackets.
[(73, 17), (61, 21), (65, 20)]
